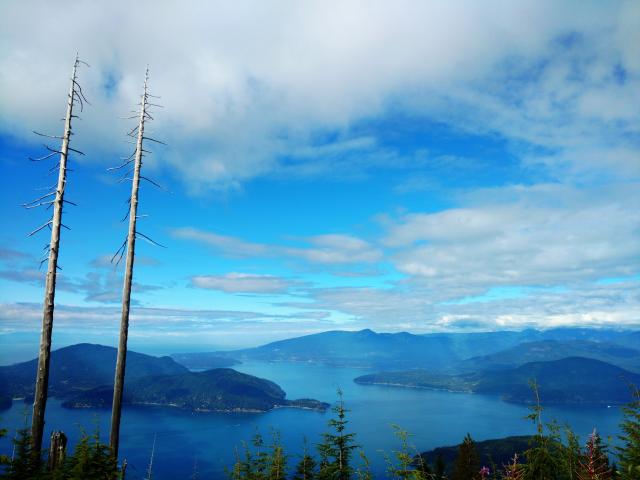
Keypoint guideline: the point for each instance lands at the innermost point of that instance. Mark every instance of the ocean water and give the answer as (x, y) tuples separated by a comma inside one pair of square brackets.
[(207, 443)]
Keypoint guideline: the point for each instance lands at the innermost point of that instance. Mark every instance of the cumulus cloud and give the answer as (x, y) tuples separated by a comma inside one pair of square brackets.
[(243, 283), (102, 286), (545, 236), (231, 246), (25, 317), (614, 304), (326, 249), (247, 86)]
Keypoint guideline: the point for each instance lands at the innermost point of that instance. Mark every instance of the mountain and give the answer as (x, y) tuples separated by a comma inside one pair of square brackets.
[(441, 352), (364, 348), (83, 375), (474, 344), (203, 361), (573, 380), (81, 367), (217, 390), (546, 350), (496, 451)]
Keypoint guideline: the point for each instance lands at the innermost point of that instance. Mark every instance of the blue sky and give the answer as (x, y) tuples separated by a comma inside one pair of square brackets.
[(419, 166)]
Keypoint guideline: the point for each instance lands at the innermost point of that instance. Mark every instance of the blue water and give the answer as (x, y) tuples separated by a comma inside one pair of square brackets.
[(207, 441)]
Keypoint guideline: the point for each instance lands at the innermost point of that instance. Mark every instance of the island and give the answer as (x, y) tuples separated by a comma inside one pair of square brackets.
[(82, 376)]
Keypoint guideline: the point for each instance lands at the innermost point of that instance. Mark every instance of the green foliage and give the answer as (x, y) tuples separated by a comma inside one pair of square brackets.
[(363, 471), (4, 460), (629, 452), (514, 470), (261, 463), (571, 455), (336, 450), (24, 464), (403, 465), (542, 464), (90, 460), (306, 468), (467, 465)]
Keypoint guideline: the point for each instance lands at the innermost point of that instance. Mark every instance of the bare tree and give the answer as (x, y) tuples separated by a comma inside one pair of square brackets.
[(55, 198), (130, 244)]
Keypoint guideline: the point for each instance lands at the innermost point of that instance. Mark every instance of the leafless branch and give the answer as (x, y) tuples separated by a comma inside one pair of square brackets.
[(149, 239), (42, 158), (40, 228), (111, 169), (39, 204), (52, 150), (154, 140), (81, 92), (45, 135), (154, 183), (120, 251), (77, 151), (38, 199)]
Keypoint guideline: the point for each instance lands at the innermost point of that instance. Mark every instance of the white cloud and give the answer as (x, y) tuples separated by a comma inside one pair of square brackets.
[(242, 283), (545, 236), (247, 84), (232, 246), (328, 249), (416, 308)]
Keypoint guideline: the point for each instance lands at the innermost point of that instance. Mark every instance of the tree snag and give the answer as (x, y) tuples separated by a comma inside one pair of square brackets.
[(130, 242), (75, 96)]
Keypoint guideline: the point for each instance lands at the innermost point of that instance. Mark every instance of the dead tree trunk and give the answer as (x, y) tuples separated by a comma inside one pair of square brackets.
[(118, 388), (42, 376), (57, 450)]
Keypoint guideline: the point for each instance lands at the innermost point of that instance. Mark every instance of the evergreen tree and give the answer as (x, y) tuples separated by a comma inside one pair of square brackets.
[(240, 469), (542, 464), (439, 467), (306, 468), (467, 464), (4, 460), (363, 471), (277, 460), (91, 459), (335, 452), (629, 452), (571, 454), (23, 465), (402, 467), (595, 463), (514, 470)]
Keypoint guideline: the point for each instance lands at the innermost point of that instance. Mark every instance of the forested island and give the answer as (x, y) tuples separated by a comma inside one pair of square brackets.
[(82, 375)]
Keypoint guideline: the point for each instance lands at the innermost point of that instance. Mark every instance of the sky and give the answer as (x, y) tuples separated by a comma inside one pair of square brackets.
[(401, 166)]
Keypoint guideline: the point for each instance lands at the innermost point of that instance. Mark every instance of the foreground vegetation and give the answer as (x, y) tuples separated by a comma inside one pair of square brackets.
[(553, 453)]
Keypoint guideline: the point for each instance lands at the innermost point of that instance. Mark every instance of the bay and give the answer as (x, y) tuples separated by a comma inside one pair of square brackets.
[(207, 443)]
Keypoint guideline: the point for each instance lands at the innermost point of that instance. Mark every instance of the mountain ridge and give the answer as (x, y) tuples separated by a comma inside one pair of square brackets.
[(573, 380)]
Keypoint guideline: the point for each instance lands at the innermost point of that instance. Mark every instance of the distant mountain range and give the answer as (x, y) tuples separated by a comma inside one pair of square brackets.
[(362, 349), (546, 350), (203, 361), (441, 352), (573, 380), (83, 375)]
